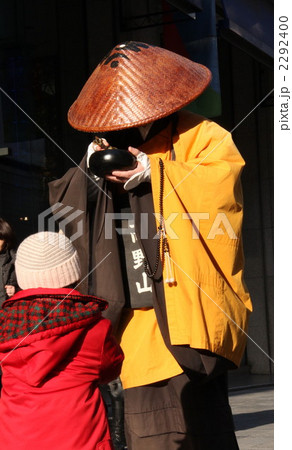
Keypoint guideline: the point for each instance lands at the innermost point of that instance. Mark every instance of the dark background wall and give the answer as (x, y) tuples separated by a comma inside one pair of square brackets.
[(47, 51)]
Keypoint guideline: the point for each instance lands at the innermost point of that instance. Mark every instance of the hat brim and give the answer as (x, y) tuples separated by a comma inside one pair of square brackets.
[(134, 85)]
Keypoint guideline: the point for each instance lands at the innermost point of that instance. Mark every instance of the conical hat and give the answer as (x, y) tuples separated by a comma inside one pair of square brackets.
[(135, 84)]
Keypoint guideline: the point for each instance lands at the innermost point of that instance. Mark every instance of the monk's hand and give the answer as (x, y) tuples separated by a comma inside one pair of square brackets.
[(122, 176), (100, 144)]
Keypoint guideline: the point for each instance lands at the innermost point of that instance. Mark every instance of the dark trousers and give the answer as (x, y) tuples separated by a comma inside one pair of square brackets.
[(179, 414)]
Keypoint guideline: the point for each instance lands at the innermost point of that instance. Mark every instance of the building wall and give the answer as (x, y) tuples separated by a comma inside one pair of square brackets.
[(48, 50)]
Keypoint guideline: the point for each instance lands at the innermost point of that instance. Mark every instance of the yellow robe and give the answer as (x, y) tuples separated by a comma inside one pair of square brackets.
[(208, 305)]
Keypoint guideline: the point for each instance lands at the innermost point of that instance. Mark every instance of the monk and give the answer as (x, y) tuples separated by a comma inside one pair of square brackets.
[(165, 238)]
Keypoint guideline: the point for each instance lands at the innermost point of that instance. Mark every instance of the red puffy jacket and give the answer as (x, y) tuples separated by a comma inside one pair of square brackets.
[(55, 349)]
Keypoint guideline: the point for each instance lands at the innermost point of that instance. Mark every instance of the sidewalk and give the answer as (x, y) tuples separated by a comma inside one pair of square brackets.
[(252, 402)]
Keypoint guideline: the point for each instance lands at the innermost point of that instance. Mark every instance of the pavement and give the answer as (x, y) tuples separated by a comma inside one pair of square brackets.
[(252, 402)]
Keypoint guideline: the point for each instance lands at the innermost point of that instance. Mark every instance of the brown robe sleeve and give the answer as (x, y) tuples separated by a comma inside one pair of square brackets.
[(99, 257)]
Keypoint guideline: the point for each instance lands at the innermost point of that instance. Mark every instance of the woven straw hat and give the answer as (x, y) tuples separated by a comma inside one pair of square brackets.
[(46, 260), (136, 84)]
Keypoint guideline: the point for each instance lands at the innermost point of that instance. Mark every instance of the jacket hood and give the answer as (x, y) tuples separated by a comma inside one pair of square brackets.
[(40, 328)]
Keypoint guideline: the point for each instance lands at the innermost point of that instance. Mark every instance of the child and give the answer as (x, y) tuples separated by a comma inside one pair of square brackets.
[(55, 349)]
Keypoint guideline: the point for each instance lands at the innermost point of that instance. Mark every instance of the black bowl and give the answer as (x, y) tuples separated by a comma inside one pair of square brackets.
[(103, 162)]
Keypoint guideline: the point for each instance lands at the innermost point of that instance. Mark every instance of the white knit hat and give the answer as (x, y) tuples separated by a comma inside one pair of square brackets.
[(46, 260)]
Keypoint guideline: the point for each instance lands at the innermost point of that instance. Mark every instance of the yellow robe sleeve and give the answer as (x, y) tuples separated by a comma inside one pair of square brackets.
[(208, 305)]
